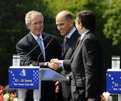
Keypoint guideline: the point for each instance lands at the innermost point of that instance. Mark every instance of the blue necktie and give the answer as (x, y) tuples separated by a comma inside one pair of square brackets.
[(41, 47), (65, 42)]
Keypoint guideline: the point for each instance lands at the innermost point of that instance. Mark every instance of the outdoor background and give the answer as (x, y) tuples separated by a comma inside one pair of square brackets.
[(12, 24)]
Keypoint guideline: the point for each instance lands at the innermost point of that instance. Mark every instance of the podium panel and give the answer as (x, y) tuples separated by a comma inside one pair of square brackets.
[(24, 77), (114, 81), (27, 77), (48, 74), (30, 77)]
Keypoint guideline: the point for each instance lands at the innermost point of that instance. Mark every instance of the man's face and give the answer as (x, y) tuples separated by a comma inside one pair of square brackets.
[(36, 25), (63, 26)]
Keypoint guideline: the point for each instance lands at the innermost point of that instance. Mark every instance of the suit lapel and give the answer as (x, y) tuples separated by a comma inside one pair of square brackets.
[(79, 45), (67, 46), (63, 48), (75, 52), (32, 40), (69, 42), (34, 43), (45, 43)]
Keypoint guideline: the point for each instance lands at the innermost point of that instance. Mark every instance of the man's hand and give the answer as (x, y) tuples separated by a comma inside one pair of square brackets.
[(57, 85), (53, 65), (55, 61)]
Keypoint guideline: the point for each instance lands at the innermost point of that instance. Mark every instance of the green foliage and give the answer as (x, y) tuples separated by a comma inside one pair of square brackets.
[(112, 28), (115, 97), (13, 28)]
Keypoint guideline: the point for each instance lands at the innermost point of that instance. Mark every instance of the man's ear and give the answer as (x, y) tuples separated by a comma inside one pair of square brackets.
[(80, 25), (28, 26), (71, 22)]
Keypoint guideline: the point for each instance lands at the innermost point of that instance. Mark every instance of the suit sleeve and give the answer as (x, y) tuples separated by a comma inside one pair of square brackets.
[(91, 65)]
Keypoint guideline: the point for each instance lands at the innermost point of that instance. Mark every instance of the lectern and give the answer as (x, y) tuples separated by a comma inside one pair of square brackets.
[(30, 77), (114, 82)]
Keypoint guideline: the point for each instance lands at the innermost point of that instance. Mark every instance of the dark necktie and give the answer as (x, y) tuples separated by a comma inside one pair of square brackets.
[(41, 47), (66, 39), (80, 40)]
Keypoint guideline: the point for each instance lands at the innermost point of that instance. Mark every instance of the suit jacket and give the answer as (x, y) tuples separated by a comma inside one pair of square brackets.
[(25, 45), (69, 49), (87, 66)]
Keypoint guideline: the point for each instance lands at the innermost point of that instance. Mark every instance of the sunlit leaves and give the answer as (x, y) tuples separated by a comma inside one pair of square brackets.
[(112, 28)]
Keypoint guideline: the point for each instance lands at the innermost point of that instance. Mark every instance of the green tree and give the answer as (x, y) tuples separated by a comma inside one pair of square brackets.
[(112, 28), (12, 29)]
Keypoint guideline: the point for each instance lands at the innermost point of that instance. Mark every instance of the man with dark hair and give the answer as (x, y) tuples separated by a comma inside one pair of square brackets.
[(88, 79)]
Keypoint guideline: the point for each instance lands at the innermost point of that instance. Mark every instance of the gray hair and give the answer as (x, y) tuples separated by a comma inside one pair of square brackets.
[(32, 13)]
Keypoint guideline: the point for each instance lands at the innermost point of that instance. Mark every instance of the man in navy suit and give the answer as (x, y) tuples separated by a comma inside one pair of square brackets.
[(64, 22), (34, 22), (88, 79)]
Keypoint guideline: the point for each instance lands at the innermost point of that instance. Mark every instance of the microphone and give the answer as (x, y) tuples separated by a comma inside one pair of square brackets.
[(33, 49), (44, 50)]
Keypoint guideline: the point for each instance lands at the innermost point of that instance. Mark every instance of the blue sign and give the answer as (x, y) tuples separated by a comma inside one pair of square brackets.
[(114, 81), (21, 77)]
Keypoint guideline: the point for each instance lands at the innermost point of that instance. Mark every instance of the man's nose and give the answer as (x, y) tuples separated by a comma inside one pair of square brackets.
[(59, 27)]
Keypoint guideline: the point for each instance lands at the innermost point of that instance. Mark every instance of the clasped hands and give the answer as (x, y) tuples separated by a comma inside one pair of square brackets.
[(54, 64)]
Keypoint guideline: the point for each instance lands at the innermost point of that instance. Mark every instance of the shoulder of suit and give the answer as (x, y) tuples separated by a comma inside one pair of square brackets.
[(93, 35), (75, 34), (50, 35), (25, 38)]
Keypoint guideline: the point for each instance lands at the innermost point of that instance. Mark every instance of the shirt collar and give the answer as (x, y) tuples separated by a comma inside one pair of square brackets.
[(72, 31), (82, 36), (36, 36)]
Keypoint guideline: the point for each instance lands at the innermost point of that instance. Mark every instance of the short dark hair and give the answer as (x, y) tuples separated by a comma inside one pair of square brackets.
[(68, 17), (87, 18)]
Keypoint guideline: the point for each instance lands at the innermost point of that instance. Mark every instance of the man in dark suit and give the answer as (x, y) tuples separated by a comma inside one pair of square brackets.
[(88, 79), (64, 22), (34, 22)]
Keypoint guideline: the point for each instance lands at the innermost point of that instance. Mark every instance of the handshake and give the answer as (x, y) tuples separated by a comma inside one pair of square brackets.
[(54, 64)]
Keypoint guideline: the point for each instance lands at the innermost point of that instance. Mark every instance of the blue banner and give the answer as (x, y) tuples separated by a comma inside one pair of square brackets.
[(24, 78), (114, 81)]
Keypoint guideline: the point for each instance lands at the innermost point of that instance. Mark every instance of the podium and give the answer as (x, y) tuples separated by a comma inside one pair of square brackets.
[(30, 77), (114, 82)]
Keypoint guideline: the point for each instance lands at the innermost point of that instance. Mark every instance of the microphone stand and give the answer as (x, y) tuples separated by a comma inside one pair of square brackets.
[(33, 49), (43, 51)]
